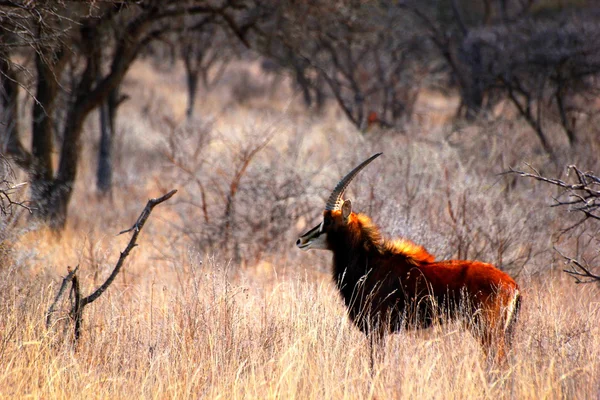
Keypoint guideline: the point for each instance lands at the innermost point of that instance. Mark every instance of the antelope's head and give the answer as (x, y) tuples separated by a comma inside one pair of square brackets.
[(337, 211)]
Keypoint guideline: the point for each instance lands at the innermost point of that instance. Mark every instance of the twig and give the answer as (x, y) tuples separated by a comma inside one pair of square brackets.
[(136, 228), (8, 189), (582, 196), (583, 275), (63, 286)]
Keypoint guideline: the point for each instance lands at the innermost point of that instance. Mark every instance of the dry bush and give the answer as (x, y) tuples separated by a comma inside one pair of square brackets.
[(247, 190)]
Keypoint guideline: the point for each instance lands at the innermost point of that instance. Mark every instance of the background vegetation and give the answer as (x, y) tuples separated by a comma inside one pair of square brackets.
[(253, 111)]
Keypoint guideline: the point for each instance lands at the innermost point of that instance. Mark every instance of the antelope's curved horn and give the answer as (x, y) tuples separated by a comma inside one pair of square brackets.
[(335, 198)]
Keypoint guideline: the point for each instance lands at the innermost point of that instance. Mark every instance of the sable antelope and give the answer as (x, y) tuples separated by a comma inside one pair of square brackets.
[(388, 285)]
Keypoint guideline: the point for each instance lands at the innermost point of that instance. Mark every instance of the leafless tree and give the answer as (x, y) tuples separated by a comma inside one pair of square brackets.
[(546, 64), (247, 208), (581, 196), (548, 69), (206, 50), (580, 270), (366, 55), (65, 38)]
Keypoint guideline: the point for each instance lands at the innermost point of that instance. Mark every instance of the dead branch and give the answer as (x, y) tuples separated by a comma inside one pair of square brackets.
[(63, 286), (6, 199), (579, 270), (77, 310), (581, 196), (79, 303), (136, 228), (8, 189)]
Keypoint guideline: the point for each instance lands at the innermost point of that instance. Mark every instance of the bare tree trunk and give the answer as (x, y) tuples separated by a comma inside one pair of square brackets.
[(44, 193), (108, 114), (50, 193), (467, 65), (320, 94), (567, 124), (192, 75), (104, 171), (49, 197), (9, 114), (302, 81)]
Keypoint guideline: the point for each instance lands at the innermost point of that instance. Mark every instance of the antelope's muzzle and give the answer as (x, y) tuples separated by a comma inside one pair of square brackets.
[(313, 239)]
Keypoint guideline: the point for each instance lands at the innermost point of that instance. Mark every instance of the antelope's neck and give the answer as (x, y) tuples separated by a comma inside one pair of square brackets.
[(350, 264)]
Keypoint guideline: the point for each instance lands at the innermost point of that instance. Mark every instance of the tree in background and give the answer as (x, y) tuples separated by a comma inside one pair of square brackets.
[(541, 56), (373, 58), (66, 41), (206, 49), (366, 54)]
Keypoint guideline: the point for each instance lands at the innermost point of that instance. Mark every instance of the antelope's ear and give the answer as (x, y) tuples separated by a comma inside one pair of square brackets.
[(346, 209)]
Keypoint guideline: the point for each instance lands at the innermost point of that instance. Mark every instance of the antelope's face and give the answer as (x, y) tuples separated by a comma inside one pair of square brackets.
[(317, 237), (335, 215)]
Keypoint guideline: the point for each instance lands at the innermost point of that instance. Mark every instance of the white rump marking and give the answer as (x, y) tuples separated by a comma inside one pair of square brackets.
[(510, 311)]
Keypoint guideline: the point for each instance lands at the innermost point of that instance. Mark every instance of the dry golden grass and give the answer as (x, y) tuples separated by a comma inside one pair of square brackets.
[(182, 321), (216, 336)]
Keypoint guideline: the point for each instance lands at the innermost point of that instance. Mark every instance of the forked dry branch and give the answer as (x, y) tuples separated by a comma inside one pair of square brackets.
[(79, 302), (582, 196), (579, 270), (8, 189), (7, 200)]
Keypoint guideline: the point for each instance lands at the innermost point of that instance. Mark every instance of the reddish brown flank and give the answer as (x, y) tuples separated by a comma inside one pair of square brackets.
[(388, 285)]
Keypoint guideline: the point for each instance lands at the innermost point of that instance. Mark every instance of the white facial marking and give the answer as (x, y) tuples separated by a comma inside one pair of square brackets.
[(318, 242), (314, 239)]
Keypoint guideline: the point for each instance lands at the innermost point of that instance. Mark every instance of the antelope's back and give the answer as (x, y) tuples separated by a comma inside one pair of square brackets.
[(481, 282), (476, 279)]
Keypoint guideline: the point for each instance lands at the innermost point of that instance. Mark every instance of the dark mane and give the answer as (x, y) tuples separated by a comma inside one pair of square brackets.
[(372, 237)]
